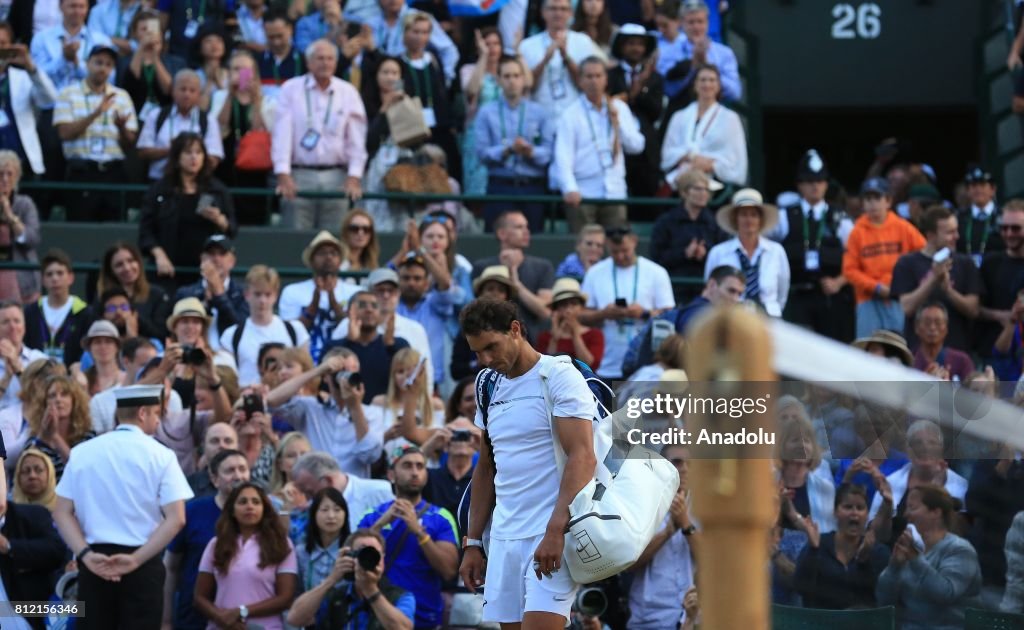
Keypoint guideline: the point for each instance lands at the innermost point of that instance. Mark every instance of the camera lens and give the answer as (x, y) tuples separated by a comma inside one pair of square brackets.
[(355, 379), (592, 601), (368, 558)]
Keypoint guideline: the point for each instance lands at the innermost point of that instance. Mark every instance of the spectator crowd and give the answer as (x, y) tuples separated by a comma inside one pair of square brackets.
[(314, 439)]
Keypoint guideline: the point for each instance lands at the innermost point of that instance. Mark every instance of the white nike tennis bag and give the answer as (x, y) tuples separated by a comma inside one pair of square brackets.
[(615, 516)]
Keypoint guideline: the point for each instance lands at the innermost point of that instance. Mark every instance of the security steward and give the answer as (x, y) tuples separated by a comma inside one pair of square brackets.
[(979, 222), (119, 504), (810, 231)]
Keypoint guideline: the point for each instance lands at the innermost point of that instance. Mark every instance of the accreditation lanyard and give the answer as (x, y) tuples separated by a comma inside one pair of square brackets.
[(276, 66), (984, 235), (236, 117), (711, 120), (149, 74), (590, 123), (428, 88), (202, 12), (807, 231), (5, 90), (86, 94), (501, 115), (120, 22), (309, 109)]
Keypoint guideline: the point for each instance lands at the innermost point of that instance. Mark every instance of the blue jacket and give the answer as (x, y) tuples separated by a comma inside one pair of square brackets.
[(231, 305)]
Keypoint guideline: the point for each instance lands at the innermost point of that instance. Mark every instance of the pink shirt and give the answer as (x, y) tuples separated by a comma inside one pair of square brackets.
[(342, 138), (245, 582)]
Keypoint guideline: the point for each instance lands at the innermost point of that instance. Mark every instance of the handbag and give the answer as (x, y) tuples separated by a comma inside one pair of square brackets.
[(406, 121), (253, 152)]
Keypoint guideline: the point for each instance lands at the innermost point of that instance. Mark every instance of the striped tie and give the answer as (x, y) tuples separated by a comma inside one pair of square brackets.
[(750, 270)]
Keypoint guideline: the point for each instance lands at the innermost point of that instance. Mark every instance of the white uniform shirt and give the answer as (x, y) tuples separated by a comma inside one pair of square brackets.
[(519, 425), (773, 270), (253, 337), (646, 283), (585, 158), (365, 495), (556, 89), (118, 482)]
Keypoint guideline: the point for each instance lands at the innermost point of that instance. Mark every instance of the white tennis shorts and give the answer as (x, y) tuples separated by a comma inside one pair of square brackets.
[(511, 587)]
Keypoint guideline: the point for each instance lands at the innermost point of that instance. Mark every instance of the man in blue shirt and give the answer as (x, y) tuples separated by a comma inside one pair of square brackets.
[(514, 140), (388, 34), (431, 306), (228, 468), (61, 51), (281, 60), (695, 50), (420, 537)]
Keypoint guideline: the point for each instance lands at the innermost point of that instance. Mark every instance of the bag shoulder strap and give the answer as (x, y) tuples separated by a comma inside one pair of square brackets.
[(291, 332), (162, 117), (237, 337), (486, 379), (204, 122), (405, 536)]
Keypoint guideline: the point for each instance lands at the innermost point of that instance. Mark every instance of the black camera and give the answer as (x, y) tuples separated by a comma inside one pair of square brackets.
[(191, 355), (591, 601), (252, 403), (354, 379), (366, 557), (461, 435)]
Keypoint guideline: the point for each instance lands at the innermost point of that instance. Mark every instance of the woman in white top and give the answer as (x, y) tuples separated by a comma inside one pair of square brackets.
[(408, 411), (763, 261), (706, 136)]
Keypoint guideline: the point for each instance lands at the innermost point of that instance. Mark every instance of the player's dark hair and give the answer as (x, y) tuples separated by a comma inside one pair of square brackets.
[(485, 315)]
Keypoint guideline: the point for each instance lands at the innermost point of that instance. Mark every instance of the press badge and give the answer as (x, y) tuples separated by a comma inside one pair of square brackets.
[(429, 119), (812, 260), (191, 28), (4, 120), (558, 89), (96, 147), (977, 260), (310, 140), (606, 158)]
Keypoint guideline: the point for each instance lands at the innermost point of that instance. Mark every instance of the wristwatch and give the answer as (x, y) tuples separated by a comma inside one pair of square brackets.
[(472, 542), (689, 531), (243, 612)]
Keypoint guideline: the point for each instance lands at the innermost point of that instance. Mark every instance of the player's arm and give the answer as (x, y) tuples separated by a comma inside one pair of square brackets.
[(576, 436), (481, 504)]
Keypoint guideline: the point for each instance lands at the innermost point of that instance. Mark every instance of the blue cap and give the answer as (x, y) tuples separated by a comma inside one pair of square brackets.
[(877, 185)]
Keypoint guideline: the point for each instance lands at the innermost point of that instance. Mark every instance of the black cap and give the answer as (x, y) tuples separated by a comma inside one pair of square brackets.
[(811, 168), (617, 232), (100, 49), (978, 175), (218, 241)]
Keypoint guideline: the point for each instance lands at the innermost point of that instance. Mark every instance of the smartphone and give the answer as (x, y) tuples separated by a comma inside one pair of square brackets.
[(941, 256), (8, 53), (399, 85), (244, 79), (252, 403), (621, 302), (415, 372), (206, 200)]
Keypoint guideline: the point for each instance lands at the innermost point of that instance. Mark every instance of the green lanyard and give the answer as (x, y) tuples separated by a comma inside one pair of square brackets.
[(202, 12), (86, 93), (276, 71), (984, 235), (807, 232), (149, 74), (309, 110), (236, 117), (501, 115), (5, 90), (120, 21), (590, 123), (428, 88), (636, 278)]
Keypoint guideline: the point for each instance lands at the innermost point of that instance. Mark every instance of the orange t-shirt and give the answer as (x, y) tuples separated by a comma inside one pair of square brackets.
[(872, 251)]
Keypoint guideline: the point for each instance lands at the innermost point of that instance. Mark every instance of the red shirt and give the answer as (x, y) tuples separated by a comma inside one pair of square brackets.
[(593, 339)]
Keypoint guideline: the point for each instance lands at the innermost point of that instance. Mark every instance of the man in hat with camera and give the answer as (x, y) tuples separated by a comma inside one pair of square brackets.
[(980, 221), (420, 537), (354, 595), (812, 231), (119, 504)]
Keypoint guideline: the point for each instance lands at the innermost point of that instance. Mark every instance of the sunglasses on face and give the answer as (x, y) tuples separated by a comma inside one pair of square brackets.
[(436, 218), (1012, 228), (355, 229), (113, 308)]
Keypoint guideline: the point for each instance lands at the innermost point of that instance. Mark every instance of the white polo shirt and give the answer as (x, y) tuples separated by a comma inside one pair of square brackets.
[(118, 482)]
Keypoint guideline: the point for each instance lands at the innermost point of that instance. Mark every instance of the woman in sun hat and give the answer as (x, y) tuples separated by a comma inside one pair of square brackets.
[(762, 261), (567, 334)]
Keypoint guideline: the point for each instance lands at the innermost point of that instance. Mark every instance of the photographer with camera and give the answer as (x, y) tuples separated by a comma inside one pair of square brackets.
[(356, 594), (420, 536), (458, 443), (350, 431)]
